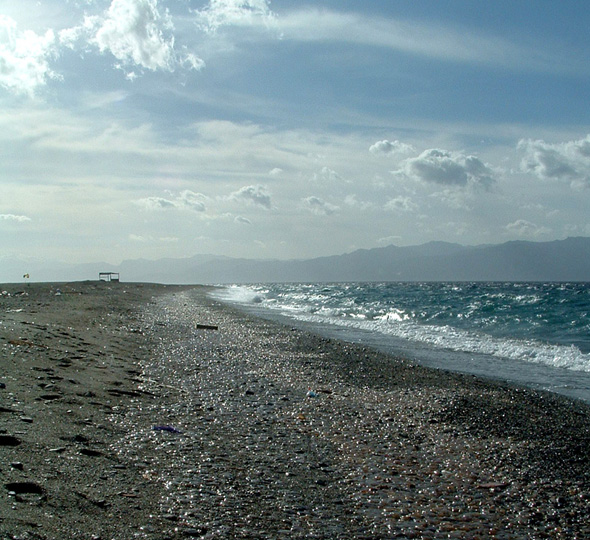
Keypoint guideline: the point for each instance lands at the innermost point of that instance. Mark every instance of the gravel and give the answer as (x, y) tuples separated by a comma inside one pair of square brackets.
[(159, 413)]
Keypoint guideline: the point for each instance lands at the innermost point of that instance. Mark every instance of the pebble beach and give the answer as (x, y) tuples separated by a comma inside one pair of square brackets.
[(155, 412)]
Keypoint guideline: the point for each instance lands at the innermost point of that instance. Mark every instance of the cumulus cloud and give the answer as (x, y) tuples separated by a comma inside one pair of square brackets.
[(151, 239), (353, 202), (569, 161), (318, 206), (256, 195), (236, 13), (136, 33), (388, 240), (12, 217), (400, 204), (325, 175), (243, 220), (386, 147), (277, 171), (155, 203), (522, 227), (453, 198), (447, 168), (24, 58), (192, 201), (187, 200), (133, 31)]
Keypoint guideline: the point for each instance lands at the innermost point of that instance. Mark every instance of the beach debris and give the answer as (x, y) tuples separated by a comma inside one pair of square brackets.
[(169, 429), (311, 394), (207, 326)]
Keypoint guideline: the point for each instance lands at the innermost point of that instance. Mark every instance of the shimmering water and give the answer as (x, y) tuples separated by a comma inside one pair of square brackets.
[(532, 333)]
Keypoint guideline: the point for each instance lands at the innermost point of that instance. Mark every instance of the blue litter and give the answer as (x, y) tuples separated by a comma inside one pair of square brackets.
[(166, 428)]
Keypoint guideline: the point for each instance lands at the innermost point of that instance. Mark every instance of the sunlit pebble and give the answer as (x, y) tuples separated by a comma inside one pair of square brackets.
[(369, 482)]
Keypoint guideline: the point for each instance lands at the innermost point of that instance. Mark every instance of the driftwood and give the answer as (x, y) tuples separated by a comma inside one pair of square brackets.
[(207, 327)]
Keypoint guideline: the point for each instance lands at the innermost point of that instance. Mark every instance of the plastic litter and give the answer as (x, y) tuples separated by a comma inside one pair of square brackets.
[(170, 429)]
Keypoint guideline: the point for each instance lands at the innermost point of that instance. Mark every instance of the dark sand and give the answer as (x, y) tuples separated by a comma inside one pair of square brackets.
[(265, 431)]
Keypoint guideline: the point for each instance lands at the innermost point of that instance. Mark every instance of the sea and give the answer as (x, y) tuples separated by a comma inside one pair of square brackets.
[(531, 334)]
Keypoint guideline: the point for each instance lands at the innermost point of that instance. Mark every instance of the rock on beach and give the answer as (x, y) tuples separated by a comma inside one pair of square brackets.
[(152, 411)]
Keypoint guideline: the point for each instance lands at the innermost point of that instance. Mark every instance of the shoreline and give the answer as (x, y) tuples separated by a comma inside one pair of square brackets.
[(264, 431)]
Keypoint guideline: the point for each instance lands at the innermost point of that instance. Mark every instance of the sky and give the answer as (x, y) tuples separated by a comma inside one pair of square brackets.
[(289, 128)]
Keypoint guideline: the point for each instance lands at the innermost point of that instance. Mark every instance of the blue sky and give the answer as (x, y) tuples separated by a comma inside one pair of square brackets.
[(283, 129)]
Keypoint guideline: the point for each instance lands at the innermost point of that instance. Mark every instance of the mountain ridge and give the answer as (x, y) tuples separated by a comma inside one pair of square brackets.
[(516, 260)]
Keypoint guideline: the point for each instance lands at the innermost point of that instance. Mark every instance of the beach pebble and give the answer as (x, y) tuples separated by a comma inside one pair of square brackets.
[(379, 450)]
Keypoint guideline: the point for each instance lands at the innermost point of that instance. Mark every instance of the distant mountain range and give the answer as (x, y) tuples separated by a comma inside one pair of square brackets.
[(560, 260)]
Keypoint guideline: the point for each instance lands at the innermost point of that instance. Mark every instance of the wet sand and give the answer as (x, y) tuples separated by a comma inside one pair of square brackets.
[(148, 411)]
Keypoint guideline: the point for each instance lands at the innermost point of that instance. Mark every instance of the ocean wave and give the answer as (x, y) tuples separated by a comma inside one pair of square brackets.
[(509, 321)]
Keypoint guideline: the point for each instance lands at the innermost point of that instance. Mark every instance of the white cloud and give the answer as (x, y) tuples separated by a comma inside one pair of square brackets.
[(192, 61), (429, 40), (133, 31), (318, 206), (522, 227), (447, 168), (243, 220), (151, 239), (12, 217), (256, 195), (388, 240), (136, 33), (390, 147), (453, 198), (353, 202), (325, 175), (236, 13), (155, 203), (192, 201), (277, 171), (569, 161), (186, 200), (400, 204), (24, 58)]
